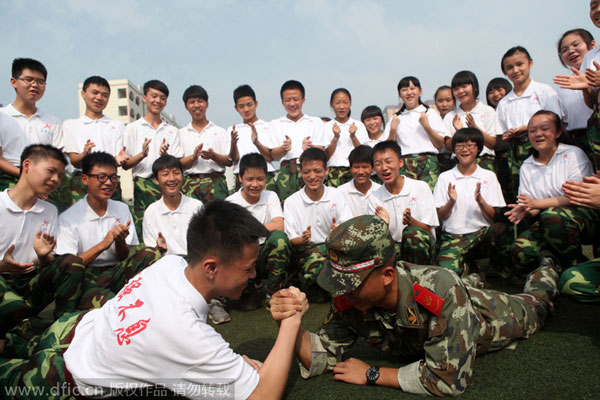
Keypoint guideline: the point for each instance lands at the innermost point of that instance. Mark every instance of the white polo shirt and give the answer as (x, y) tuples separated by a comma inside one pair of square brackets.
[(415, 195), (155, 331), (373, 142), (357, 201), (12, 140), (212, 137), (135, 134), (306, 126), (105, 133), (41, 127), (80, 229), (20, 226), (514, 112), (485, 118), (245, 145), (545, 181), (344, 146), (574, 109), (300, 212), (173, 224), (265, 210), (466, 215), (589, 58), (411, 136)]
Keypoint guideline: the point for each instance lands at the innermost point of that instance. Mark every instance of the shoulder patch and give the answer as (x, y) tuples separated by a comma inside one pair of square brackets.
[(428, 299)]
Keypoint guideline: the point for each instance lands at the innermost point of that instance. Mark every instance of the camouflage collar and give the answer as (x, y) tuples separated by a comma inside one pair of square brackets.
[(407, 311)]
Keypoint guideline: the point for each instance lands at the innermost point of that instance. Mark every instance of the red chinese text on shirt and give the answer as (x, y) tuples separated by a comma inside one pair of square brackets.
[(138, 303), (123, 335), (134, 284)]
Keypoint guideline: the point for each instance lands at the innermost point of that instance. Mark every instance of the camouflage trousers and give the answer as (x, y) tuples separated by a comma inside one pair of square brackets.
[(289, 179), (423, 167), (22, 296), (582, 282), (145, 192), (7, 181), (417, 246), (103, 283), (270, 185), (487, 161), (40, 372), (78, 190), (456, 251), (338, 176), (562, 230), (505, 317), (273, 262), (309, 260), (593, 138), (206, 187), (517, 153)]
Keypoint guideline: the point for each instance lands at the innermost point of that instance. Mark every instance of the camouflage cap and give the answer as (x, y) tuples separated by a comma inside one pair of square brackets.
[(354, 248)]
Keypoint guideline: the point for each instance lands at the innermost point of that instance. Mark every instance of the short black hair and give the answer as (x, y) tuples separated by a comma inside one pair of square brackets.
[(97, 158), (39, 152), (19, 64), (468, 134), (292, 85), (254, 161), (195, 92), (562, 138), (96, 80), (242, 91), (165, 161), (313, 154), (156, 85), (222, 229), (498, 83), (370, 112), (511, 52), (387, 144), (405, 82), (466, 78), (361, 154)]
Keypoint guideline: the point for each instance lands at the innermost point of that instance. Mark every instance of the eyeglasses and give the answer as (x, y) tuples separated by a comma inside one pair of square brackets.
[(103, 177), (469, 146), (30, 81)]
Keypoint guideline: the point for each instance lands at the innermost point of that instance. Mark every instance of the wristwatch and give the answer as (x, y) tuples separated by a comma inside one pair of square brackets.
[(372, 375)]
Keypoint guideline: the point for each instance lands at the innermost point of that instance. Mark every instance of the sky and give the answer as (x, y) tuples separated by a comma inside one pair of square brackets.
[(366, 46)]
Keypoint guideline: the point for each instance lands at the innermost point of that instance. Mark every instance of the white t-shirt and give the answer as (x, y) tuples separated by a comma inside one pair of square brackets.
[(344, 146), (105, 133), (466, 215), (484, 116), (245, 145), (80, 229), (306, 126), (300, 212), (20, 226), (514, 112), (574, 109), (155, 332), (12, 140), (135, 134), (357, 201), (589, 58), (265, 210), (411, 136), (212, 137), (545, 181), (173, 224), (41, 127), (415, 195), (372, 142)]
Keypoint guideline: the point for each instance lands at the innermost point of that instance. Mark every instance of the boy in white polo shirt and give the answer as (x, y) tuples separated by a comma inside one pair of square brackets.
[(466, 197), (292, 134), (405, 204), (360, 188), (93, 131), (97, 229), (207, 150), (167, 219), (12, 143), (31, 277), (251, 134), (311, 213), (145, 140), (274, 256)]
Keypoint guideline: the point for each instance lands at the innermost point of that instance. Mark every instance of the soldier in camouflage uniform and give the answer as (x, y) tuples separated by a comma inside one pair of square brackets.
[(420, 312)]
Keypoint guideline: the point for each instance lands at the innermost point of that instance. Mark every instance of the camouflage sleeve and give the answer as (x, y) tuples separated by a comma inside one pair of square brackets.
[(449, 351)]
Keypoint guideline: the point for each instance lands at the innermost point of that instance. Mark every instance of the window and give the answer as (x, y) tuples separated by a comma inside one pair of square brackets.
[(138, 116), (137, 100), (122, 93), (130, 96), (131, 113), (122, 110)]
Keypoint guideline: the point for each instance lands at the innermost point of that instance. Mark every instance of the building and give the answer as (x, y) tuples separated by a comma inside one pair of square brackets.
[(125, 103)]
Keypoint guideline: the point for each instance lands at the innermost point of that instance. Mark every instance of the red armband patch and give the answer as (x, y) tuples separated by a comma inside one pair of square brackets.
[(428, 299), (341, 303)]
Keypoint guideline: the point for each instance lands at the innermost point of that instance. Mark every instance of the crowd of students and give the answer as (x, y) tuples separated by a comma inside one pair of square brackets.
[(455, 182)]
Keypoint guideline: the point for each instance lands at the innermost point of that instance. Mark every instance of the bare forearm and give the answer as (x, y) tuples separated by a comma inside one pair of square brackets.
[(388, 377), (264, 151), (222, 160), (90, 255), (419, 224), (278, 152), (436, 139), (303, 348), (445, 210), (76, 159), (297, 242), (133, 161), (188, 161), (489, 141), (8, 168), (45, 260), (487, 210), (121, 249), (331, 148), (275, 225)]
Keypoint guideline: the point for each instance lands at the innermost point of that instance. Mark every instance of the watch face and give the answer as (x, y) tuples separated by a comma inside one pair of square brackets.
[(372, 375)]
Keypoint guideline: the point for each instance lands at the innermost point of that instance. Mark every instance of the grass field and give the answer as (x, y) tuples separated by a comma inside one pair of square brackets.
[(560, 362)]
